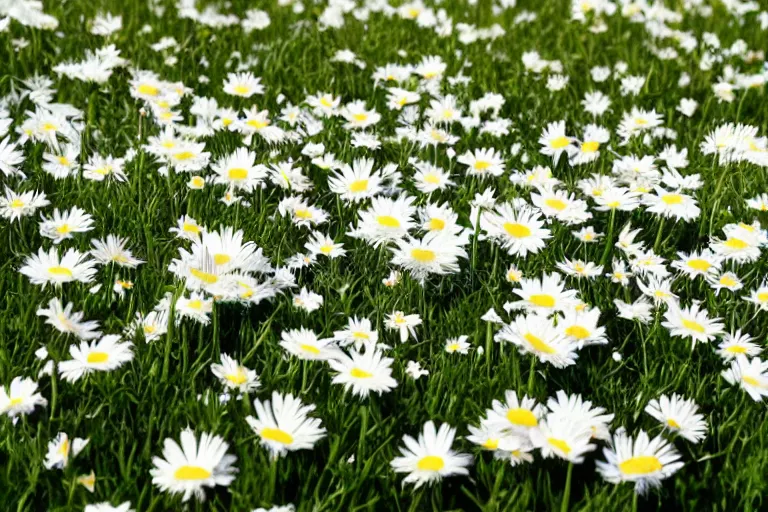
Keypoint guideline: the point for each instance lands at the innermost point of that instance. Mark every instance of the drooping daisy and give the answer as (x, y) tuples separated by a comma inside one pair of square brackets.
[(188, 468), (65, 321), (188, 228), (406, 324), (105, 355), (741, 244), (535, 334), (301, 212), (589, 149), (751, 375), (580, 269), (21, 397), (640, 310), (430, 458), (307, 300), (46, 267), (573, 409), (363, 372), (692, 322), (304, 344), (736, 343), (358, 331), (60, 449), (112, 250), (283, 424), (679, 415), (235, 376), (644, 461)]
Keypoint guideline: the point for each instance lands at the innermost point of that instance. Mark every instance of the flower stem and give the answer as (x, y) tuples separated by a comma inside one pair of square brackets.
[(567, 492), (658, 236), (608, 239), (531, 373)]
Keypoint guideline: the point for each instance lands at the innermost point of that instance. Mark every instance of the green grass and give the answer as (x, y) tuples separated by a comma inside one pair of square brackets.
[(129, 412)]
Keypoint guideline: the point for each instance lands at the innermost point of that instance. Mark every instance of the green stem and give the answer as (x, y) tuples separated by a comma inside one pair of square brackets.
[(567, 493), (54, 389), (363, 431), (531, 373), (657, 243), (488, 346), (474, 246), (608, 239), (634, 501)]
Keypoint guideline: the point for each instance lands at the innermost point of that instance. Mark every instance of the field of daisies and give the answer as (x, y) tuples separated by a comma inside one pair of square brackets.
[(362, 255)]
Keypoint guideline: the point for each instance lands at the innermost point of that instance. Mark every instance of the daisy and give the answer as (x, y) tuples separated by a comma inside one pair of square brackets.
[(643, 461), (301, 212), (239, 171), (735, 343), (112, 250), (596, 103), (244, 85), (363, 372), (726, 280), (304, 344), (14, 206), (283, 424), (436, 253), (414, 370), (457, 345), (188, 468), (285, 176), (513, 274), (429, 178), (106, 354), (358, 117), (324, 104), (483, 162), (545, 295), (60, 449), (21, 397), (580, 269), (672, 204), (558, 436), (152, 325), (358, 331), (679, 415), (61, 226), (65, 321), (741, 244), (323, 244), (581, 327), (519, 231), (535, 334), (88, 481), (491, 438), (46, 267), (235, 376), (589, 150), (572, 409), (516, 416), (704, 263), (587, 234), (307, 300), (692, 322), (637, 121), (10, 157), (430, 458), (398, 98), (554, 142), (406, 324), (105, 506), (749, 374), (640, 310), (188, 228), (356, 183), (100, 168), (386, 220), (759, 203)]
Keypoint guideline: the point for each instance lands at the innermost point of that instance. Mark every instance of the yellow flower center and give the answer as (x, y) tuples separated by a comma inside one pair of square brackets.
[(423, 255), (491, 444), (237, 378), (762, 296), (360, 374), (590, 146), (63, 160), (693, 326), (360, 117), (360, 335), (542, 300), (736, 349), (148, 90), (192, 473), (538, 344), (63, 229), (432, 179), (672, 423), (310, 348), (205, 277), (60, 271), (184, 155), (559, 444), (98, 357), (258, 124), (188, 227), (751, 381), (430, 463), (388, 221), (482, 165), (560, 142), (238, 173), (556, 204), (672, 198), (324, 101), (277, 435), (436, 225), (728, 281), (358, 186), (241, 89), (517, 230), (303, 213), (578, 332), (736, 243), (48, 127), (642, 465), (16, 401), (17, 203), (197, 182), (700, 265), (522, 417), (221, 259)]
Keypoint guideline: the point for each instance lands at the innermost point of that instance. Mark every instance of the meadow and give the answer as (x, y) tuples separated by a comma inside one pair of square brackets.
[(380, 255)]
